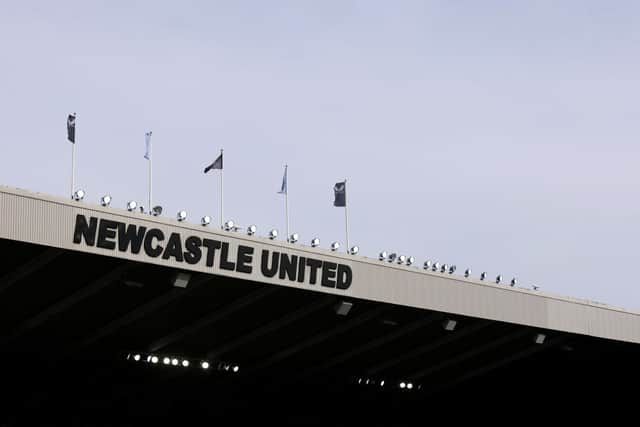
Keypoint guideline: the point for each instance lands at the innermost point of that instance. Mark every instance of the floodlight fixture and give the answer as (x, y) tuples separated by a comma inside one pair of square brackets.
[(403, 385), (204, 364), (294, 238), (498, 279), (354, 250), (539, 338), (229, 225), (427, 264), (136, 357), (131, 205), (166, 361), (402, 259), (452, 269), (449, 324), (273, 234), (156, 210), (383, 255), (182, 215), (514, 282), (78, 195), (467, 272), (444, 268), (185, 363), (411, 260), (206, 220), (154, 359), (409, 386), (105, 200), (315, 242), (335, 246), (235, 368), (436, 266), (251, 230), (174, 362), (483, 275), (392, 257)]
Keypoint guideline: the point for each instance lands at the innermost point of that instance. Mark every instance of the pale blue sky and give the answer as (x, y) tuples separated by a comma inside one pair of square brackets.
[(499, 135)]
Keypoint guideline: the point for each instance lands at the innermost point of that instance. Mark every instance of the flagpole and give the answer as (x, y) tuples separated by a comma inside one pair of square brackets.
[(73, 166), (150, 172), (221, 194), (286, 199), (346, 216)]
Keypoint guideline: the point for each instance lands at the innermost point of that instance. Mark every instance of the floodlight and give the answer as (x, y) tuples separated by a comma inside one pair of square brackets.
[(444, 268), (185, 363), (315, 242), (335, 246), (402, 259), (427, 264), (251, 230), (78, 195), (204, 364), (154, 359), (136, 357), (409, 386), (293, 238), (514, 281), (174, 362), (539, 338), (182, 215), (229, 225), (235, 368), (383, 255), (436, 266), (498, 278), (467, 272), (354, 250), (382, 383), (131, 205), (141, 208), (156, 210), (449, 324), (166, 360), (206, 220), (402, 385), (273, 234), (105, 200), (452, 269), (392, 257), (410, 260), (483, 275)]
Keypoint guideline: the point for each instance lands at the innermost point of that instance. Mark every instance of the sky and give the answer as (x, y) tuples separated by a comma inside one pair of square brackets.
[(497, 135)]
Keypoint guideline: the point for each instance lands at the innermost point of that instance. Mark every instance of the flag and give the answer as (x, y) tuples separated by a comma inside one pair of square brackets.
[(340, 190), (283, 189), (217, 164), (71, 128), (147, 140)]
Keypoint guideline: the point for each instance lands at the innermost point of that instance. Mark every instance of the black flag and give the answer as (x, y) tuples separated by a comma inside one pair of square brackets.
[(71, 128), (340, 190), (217, 164)]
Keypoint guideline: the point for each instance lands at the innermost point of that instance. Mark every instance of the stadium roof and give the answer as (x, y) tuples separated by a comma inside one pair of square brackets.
[(85, 288)]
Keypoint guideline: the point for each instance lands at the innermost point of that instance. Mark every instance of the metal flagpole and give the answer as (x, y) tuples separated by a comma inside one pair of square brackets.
[(346, 216), (221, 193), (73, 166), (150, 172), (286, 199)]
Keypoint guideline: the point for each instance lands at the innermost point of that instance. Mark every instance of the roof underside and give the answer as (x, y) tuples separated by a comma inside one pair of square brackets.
[(68, 320)]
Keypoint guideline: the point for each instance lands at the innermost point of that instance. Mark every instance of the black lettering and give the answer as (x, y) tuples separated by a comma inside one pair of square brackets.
[(344, 278), (211, 246), (264, 266), (328, 274), (301, 263), (88, 231), (245, 254), (193, 252), (313, 273), (107, 230), (148, 242), (225, 264), (174, 248), (132, 235), (288, 266)]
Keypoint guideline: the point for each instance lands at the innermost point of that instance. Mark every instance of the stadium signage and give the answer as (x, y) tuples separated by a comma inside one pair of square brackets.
[(194, 250)]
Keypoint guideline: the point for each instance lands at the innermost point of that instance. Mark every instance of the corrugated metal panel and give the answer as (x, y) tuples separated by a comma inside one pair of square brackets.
[(50, 221)]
